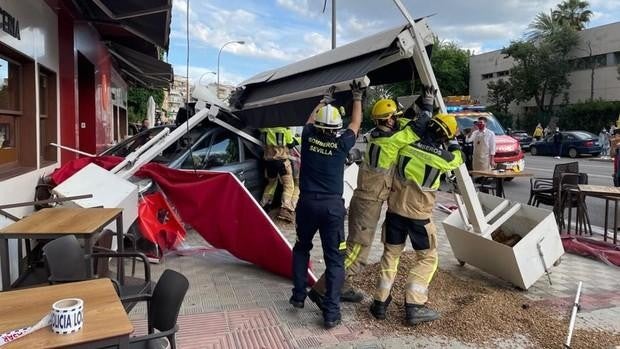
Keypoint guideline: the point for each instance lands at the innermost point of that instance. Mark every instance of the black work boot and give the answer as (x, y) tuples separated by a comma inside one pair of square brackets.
[(316, 297), (328, 324), (416, 313), (352, 295), (297, 304), (378, 308)]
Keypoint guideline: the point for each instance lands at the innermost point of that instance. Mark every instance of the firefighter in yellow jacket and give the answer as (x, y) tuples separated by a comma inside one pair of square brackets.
[(410, 205), (277, 142)]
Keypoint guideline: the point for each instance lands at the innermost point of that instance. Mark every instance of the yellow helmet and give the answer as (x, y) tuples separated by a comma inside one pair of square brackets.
[(447, 123), (328, 117), (384, 109)]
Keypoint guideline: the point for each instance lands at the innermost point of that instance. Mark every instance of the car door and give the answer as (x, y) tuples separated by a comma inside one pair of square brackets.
[(545, 147)]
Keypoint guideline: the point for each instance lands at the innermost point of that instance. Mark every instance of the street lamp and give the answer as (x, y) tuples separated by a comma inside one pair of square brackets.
[(203, 75), (240, 42)]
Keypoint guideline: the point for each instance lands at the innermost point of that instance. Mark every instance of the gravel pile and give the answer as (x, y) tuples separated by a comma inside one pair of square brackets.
[(475, 313)]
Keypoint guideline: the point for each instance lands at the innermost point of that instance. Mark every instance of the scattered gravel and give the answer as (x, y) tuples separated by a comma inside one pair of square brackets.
[(476, 313)]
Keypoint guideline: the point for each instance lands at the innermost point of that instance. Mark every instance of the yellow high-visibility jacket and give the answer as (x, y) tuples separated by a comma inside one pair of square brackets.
[(417, 178), (277, 141)]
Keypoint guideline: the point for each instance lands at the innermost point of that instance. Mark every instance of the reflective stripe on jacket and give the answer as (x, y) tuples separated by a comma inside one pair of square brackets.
[(374, 180), (276, 140), (418, 171)]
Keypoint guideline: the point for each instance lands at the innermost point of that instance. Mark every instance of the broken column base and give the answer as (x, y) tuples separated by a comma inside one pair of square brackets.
[(521, 264)]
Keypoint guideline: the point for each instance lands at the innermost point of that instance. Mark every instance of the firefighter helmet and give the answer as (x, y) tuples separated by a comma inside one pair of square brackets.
[(384, 109), (328, 117), (446, 123)]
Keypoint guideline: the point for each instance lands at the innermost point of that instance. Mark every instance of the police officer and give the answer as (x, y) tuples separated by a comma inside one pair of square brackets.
[(277, 142), (320, 205), (374, 182), (410, 205)]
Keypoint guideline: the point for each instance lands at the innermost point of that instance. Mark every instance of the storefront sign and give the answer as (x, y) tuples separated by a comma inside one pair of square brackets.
[(10, 25)]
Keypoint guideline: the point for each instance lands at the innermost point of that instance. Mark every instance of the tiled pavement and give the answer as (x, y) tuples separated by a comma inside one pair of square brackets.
[(233, 304)]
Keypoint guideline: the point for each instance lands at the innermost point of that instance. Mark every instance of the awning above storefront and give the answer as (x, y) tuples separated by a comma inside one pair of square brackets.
[(141, 68), (142, 25), (286, 96)]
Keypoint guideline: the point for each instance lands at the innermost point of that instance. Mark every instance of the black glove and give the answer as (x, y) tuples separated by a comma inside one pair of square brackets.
[(428, 93), (328, 95), (357, 90)]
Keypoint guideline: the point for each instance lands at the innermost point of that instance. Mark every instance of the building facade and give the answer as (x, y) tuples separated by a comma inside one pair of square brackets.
[(65, 67), (176, 97), (598, 48)]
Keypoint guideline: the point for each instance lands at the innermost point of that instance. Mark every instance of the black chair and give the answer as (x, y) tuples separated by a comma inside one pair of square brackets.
[(66, 262), (569, 198), (545, 190), (163, 308)]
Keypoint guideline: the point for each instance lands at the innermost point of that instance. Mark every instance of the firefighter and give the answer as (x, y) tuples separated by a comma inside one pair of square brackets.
[(321, 206), (277, 141), (374, 182), (295, 157), (410, 205)]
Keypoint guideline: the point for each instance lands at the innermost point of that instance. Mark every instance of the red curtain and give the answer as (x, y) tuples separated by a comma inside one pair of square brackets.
[(220, 209)]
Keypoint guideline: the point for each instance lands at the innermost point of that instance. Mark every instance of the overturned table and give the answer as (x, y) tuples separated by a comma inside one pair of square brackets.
[(52, 223)]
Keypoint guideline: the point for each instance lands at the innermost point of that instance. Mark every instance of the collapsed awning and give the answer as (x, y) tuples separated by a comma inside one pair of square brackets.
[(141, 68), (285, 96)]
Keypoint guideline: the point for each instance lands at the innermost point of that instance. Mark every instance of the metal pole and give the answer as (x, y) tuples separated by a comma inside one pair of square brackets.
[(240, 42), (333, 24), (573, 315)]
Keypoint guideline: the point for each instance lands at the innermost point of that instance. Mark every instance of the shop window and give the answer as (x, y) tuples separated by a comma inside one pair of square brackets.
[(10, 109), (18, 152), (47, 116)]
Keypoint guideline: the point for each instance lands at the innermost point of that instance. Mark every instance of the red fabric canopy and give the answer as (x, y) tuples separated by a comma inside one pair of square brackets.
[(221, 209), (606, 252)]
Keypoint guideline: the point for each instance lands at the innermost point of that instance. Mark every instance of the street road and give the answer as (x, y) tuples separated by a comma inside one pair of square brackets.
[(599, 173)]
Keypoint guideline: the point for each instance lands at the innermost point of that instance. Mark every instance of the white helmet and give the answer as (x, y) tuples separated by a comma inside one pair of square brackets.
[(328, 117)]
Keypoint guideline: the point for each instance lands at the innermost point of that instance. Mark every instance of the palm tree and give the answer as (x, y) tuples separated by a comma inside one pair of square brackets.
[(542, 26), (573, 13)]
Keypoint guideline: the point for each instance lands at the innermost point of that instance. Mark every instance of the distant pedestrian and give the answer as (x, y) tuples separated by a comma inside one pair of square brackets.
[(612, 129), (603, 139), (557, 142), (145, 125), (538, 132), (546, 131), (483, 141)]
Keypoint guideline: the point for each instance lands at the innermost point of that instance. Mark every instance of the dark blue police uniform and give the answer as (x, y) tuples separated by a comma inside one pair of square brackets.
[(321, 208)]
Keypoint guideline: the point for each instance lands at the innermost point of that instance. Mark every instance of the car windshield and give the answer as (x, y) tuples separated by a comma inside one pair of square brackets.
[(467, 121), (584, 135)]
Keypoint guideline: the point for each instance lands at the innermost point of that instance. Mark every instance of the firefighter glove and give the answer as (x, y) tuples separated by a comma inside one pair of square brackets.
[(328, 96), (356, 90), (429, 93)]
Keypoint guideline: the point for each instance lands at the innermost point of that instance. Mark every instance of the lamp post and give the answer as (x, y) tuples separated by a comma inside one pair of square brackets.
[(203, 75), (240, 42)]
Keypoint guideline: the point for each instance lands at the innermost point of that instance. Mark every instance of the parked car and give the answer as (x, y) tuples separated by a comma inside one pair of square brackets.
[(574, 144), (507, 149), (208, 147), (524, 139)]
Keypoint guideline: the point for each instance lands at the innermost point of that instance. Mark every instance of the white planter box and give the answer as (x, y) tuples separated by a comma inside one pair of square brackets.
[(521, 264)]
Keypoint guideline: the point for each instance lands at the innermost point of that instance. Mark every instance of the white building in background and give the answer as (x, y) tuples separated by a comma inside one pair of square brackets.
[(177, 96), (599, 44)]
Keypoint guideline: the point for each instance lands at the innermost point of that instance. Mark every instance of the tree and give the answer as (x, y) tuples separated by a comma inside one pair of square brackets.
[(137, 98), (573, 13), (542, 67), (451, 66), (501, 94)]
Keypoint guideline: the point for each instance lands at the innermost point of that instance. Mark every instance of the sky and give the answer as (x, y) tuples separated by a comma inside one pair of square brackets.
[(280, 32)]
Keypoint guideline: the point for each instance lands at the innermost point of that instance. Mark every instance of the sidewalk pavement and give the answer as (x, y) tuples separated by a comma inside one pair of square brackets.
[(233, 304)]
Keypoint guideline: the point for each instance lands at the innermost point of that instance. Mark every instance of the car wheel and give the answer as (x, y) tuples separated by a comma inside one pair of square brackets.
[(595, 155), (508, 179), (572, 153), (533, 151)]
